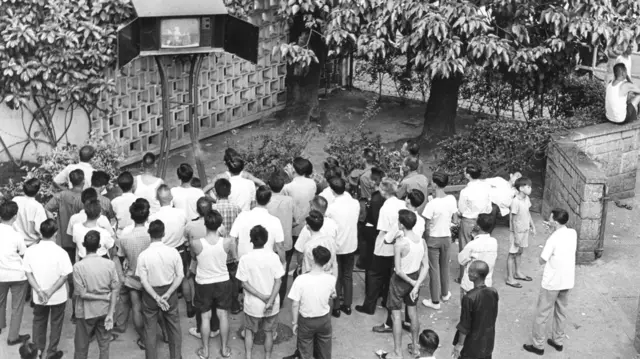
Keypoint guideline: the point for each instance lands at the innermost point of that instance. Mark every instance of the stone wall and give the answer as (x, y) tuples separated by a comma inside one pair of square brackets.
[(233, 92)]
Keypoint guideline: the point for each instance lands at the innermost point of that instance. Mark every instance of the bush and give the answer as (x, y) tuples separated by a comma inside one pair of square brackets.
[(582, 98)]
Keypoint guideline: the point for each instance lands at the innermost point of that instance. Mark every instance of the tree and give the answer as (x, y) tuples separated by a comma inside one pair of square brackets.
[(55, 53)]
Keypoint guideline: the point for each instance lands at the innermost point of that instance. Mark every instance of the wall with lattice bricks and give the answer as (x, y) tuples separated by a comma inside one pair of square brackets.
[(233, 92)]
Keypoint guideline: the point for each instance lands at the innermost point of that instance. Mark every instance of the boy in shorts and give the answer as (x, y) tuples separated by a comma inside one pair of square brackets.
[(520, 225), (260, 272)]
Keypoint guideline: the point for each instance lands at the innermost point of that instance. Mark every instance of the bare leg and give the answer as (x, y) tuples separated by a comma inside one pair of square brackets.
[(136, 308), (268, 344), (204, 333), (518, 265), (511, 268), (415, 328), (397, 334), (223, 316), (248, 342), (635, 100)]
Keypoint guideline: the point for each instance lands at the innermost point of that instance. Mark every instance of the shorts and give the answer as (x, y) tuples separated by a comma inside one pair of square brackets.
[(400, 292), (185, 255), (632, 113), (214, 295), (132, 282), (268, 324), (524, 241)]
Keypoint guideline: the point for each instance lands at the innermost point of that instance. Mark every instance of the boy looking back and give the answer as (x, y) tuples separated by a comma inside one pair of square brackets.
[(520, 225)]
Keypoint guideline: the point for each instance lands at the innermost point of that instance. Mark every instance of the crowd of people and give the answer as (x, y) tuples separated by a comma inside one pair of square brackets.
[(229, 248)]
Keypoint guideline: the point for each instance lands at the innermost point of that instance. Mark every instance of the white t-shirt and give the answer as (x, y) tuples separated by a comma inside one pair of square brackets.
[(475, 199), (307, 251), (63, 176), (174, 221), (260, 268), (345, 211), (186, 199), (388, 222), (482, 248), (249, 219), (313, 290), (439, 212), (329, 229), (106, 241), (81, 217), (121, 206), (48, 262), (327, 194), (243, 192), (12, 249), (560, 254), (29, 210)]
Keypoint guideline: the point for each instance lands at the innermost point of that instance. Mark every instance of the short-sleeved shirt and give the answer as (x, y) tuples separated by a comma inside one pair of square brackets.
[(249, 219), (121, 205), (502, 193), (160, 264), (105, 206), (64, 203), (260, 268), (229, 212), (560, 254), (29, 210), (327, 194), (48, 262), (478, 322), (281, 206), (243, 192), (95, 275), (388, 222), (475, 199), (186, 199), (81, 217), (318, 239), (482, 248), (439, 212), (130, 245), (63, 177), (301, 190), (345, 212), (414, 180), (521, 217), (313, 290), (329, 229), (12, 249), (174, 221), (106, 241)]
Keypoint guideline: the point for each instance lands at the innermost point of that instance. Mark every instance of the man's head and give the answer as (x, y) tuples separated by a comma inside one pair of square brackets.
[(473, 171), (330, 163), (125, 181), (407, 220), (376, 175), (87, 153), (276, 182), (315, 220), (513, 177), (235, 165), (222, 188), (485, 222), (388, 188), (331, 173), (185, 172), (523, 184), (213, 221), (8, 211), (28, 350), (411, 164), (31, 187), (91, 241), (163, 193), (100, 180), (88, 194), (337, 185), (559, 217), (139, 211), (440, 179), (368, 156), (263, 195), (258, 236), (478, 271), (203, 206), (149, 161), (156, 230), (92, 209), (620, 71), (321, 256), (302, 166), (48, 228), (429, 342), (319, 204), (415, 199), (76, 177), (229, 154), (410, 148), (196, 183)]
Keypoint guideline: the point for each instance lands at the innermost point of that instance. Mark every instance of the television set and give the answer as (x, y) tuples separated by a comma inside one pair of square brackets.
[(179, 33)]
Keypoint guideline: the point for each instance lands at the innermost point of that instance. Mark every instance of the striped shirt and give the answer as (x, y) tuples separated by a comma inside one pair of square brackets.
[(229, 212), (130, 244)]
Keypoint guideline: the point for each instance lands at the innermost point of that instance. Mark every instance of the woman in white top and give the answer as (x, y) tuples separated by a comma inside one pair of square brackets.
[(147, 183)]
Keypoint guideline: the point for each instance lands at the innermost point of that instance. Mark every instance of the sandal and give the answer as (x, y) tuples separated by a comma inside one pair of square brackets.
[(200, 354), (226, 354), (141, 344), (515, 285), (525, 278)]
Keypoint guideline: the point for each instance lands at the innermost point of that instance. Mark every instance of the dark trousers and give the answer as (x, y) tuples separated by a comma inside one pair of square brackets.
[(41, 315), (344, 282), (71, 252), (378, 282), (85, 329), (214, 322), (232, 267), (150, 312), (285, 277), (314, 337), (495, 213), (367, 237), (18, 294)]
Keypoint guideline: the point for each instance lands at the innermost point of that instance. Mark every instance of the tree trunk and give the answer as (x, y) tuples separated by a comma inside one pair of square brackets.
[(442, 107)]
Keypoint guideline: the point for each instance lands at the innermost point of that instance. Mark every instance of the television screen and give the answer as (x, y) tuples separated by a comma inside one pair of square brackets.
[(179, 33)]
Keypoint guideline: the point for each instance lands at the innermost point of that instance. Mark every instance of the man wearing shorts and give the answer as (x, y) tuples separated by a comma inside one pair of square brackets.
[(620, 107), (260, 272), (213, 287)]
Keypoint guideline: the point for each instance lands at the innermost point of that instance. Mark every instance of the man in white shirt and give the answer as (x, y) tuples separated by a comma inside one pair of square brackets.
[(382, 262), (329, 227), (258, 216), (345, 211), (47, 266), (619, 106), (30, 212), (185, 196), (122, 203), (302, 190), (502, 191), (86, 155), (243, 190), (81, 217), (474, 199), (484, 248), (559, 259), (315, 222), (93, 210)]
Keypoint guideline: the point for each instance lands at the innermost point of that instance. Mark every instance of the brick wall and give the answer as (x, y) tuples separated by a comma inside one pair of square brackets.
[(233, 92)]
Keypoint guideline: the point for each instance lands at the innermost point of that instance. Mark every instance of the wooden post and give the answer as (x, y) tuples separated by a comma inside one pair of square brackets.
[(194, 126), (165, 142)]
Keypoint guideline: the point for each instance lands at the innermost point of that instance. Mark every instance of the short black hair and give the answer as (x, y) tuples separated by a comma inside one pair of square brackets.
[(369, 155), (91, 241), (258, 236), (222, 188), (429, 341), (337, 185), (331, 162), (230, 153), (156, 229), (8, 210), (88, 194), (276, 182), (377, 173), (320, 203), (213, 220), (235, 165), (620, 70), (100, 178), (31, 187), (485, 221), (263, 195), (86, 153), (302, 166), (521, 182), (416, 197), (315, 220), (560, 215), (407, 218), (48, 228), (321, 255), (412, 163), (185, 172), (329, 173), (440, 179), (474, 170), (413, 147), (139, 211), (28, 350), (195, 182), (76, 177), (92, 209), (148, 160), (125, 181), (203, 206)]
